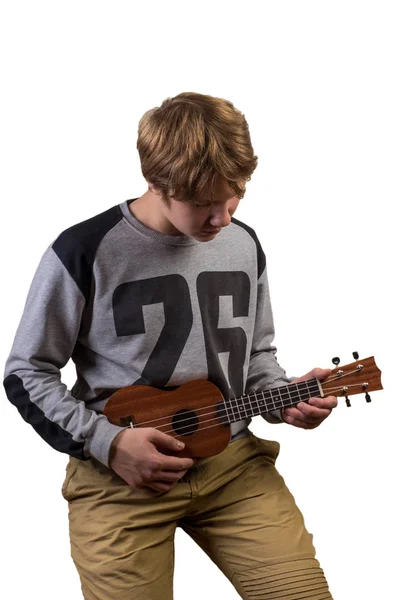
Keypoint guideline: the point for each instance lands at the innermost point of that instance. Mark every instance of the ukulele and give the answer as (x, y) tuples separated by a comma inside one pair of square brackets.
[(197, 413)]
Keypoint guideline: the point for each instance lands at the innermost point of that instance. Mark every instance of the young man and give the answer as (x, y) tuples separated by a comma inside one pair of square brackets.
[(161, 290)]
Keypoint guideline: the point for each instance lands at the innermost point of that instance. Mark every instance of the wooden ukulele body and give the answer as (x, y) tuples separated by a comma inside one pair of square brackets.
[(193, 413)]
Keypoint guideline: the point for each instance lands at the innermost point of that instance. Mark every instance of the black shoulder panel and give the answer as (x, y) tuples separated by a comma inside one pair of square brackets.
[(76, 246), (52, 433), (260, 252)]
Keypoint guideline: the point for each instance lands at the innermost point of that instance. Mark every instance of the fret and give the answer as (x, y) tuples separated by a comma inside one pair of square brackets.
[(249, 406), (237, 410), (230, 411), (242, 408), (264, 401), (256, 403), (252, 406), (292, 396), (280, 396), (286, 396), (308, 388), (297, 390), (251, 403), (312, 388), (303, 391), (275, 398), (228, 404)]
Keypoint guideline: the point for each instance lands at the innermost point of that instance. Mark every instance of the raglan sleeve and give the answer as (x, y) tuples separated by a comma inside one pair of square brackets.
[(264, 370), (43, 344)]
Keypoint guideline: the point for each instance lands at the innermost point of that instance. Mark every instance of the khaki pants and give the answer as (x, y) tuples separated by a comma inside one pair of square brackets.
[(235, 505)]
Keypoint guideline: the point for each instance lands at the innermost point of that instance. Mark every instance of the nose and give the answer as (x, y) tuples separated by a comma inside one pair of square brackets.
[(221, 215)]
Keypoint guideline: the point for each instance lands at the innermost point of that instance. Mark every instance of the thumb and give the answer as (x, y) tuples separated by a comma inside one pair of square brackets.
[(166, 441), (321, 373), (318, 373)]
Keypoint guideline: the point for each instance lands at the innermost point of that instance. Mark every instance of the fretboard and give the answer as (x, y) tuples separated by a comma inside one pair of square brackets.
[(254, 404)]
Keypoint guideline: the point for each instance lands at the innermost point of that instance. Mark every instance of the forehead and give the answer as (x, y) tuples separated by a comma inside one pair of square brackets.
[(222, 193)]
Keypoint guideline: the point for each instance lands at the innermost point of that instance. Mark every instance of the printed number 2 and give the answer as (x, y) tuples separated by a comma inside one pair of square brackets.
[(173, 292)]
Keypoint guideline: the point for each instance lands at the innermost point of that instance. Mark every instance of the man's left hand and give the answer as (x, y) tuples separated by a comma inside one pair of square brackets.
[(310, 414)]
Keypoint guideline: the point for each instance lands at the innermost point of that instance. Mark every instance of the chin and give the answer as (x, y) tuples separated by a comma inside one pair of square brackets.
[(208, 235)]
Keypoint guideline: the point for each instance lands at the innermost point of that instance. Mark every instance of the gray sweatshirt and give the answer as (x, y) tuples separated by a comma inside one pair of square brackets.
[(132, 306)]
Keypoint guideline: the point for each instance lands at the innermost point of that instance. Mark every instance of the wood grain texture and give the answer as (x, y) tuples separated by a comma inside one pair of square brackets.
[(150, 407)]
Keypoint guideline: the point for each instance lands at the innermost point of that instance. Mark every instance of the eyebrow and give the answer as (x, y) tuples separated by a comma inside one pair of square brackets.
[(209, 201)]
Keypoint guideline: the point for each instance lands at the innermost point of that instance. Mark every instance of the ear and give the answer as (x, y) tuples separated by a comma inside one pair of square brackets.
[(157, 192), (152, 189)]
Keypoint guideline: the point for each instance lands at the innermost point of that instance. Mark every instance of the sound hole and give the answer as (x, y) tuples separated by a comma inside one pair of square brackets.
[(185, 422)]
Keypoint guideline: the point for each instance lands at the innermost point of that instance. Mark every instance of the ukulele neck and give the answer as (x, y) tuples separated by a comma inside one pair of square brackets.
[(256, 403)]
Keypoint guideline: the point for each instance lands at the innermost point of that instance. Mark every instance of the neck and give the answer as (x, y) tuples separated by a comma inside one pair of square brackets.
[(148, 209)]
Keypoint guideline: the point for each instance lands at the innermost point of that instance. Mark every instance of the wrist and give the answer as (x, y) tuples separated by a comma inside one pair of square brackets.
[(114, 445)]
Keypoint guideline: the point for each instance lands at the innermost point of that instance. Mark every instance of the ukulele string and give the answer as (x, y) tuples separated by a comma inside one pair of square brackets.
[(250, 402), (222, 410), (340, 389), (335, 378), (172, 431)]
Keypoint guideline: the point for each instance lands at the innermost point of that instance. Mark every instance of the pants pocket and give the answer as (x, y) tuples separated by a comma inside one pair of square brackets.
[(269, 449), (70, 470)]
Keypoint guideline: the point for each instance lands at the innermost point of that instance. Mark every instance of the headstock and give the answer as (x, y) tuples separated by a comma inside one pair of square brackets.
[(359, 377)]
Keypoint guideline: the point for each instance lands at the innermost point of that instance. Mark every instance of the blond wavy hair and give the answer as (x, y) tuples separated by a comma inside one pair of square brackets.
[(189, 141)]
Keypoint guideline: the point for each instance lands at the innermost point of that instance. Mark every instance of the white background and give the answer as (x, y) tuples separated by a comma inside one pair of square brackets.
[(318, 83)]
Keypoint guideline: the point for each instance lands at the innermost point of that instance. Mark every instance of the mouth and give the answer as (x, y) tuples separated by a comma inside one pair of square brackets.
[(214, 231)]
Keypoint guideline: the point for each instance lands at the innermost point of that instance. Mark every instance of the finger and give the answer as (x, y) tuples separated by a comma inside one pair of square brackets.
[(306, 413), (174, 463), (171, 475), (299, 422), (318, 373), (160, 486), (293, 419), (321, 374), (313, 413), (159, 438), (326, 402)]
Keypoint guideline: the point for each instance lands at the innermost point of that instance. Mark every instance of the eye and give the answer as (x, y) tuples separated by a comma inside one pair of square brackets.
[(202, 205)]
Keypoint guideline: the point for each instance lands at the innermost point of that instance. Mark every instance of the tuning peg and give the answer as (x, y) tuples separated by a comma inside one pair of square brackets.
[(355, 355), (336, 360), (347, 401), (367, 397)]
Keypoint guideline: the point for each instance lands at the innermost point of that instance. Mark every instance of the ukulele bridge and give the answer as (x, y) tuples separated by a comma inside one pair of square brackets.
[(127, 422)]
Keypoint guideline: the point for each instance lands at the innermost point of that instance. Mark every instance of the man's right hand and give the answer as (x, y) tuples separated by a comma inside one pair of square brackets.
[(134, 456)]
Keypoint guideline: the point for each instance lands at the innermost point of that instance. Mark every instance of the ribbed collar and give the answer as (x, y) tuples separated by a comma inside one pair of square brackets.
[(169, 240)]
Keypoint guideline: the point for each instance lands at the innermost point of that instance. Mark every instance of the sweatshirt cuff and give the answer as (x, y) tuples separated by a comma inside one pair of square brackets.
[(275, 415), (100, 438)]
